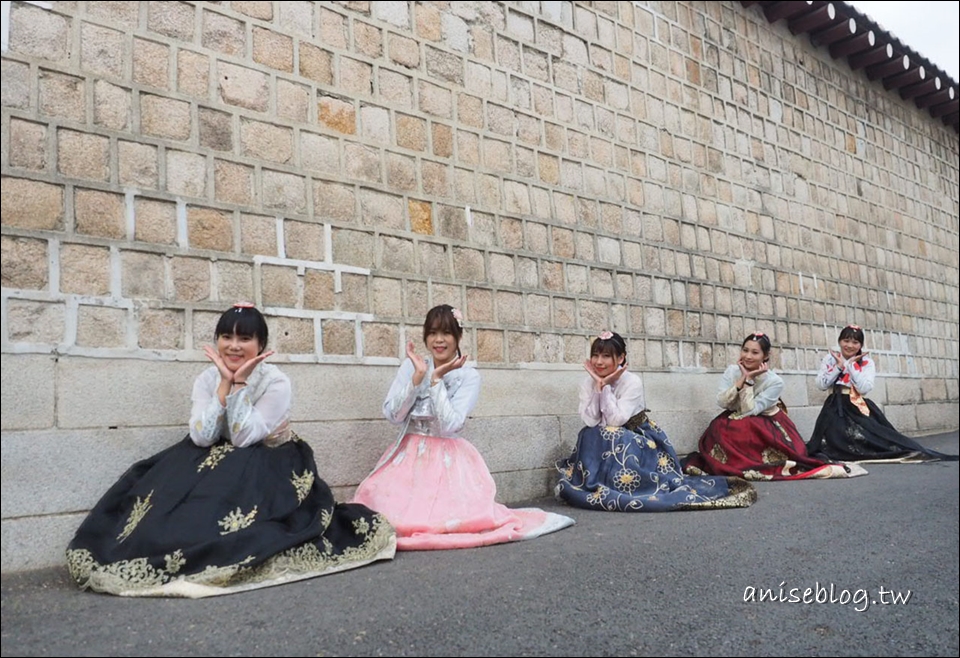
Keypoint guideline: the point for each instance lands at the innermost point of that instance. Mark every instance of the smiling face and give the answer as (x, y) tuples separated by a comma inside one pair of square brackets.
[(850, 347), (751, 354), (605, 362), (442, 345), (236, 349)]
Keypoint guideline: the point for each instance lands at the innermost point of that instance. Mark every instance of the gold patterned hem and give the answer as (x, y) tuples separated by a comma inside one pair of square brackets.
[(136, 577)]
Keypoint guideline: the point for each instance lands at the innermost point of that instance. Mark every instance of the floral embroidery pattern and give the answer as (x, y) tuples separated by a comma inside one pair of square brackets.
[(237, 520), (772, 456), (627, 480), (140, 509), (216, 455), (174, 561), (718, 453), (361, 526), (302, 484)]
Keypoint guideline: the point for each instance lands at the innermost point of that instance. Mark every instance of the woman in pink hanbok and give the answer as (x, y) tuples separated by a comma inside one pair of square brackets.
[(432, 485)]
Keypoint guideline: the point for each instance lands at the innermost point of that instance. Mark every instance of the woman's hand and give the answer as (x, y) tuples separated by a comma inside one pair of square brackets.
[(841, 363), (244, 371), (759, 371), (419, 365), (594, 375), (858, 358), (449, 366), (613, 377), (225, 373)]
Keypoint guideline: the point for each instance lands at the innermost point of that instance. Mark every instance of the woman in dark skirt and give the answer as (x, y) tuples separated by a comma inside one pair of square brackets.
[(623, 461), (235, 505), (850, 426), (753, 437)]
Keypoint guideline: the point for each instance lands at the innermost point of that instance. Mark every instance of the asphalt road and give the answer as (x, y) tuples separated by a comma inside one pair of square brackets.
[(614, 584)]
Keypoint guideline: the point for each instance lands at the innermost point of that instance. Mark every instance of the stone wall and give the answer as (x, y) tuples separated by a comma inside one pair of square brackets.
[(683, 173)]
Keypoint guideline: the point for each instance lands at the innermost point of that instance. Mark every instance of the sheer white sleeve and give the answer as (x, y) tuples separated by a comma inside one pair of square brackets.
[(862, 374), (250, 422), (829, 372), (452, 410), (402, 394), (206, 414), (589, 402), (619, 403)]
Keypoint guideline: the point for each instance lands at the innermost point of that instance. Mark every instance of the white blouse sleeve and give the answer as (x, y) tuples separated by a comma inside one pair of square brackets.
[(402, 394), (620, 403), (862, 374), (243, 421), (829, 372), (452, 410), (250, 422), (765, 394), (728, 397), (206, 414), (589, 402)]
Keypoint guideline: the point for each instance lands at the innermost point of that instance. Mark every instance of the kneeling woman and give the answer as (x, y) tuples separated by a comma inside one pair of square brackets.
[(235, 505), (433, 485), (623, 462), (850, 426), (753, 437)]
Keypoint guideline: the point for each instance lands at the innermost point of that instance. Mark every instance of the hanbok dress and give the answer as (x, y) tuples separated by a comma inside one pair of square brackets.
[(624, 462), (235, 505), (755, 439), (851, 427), (432, 484)]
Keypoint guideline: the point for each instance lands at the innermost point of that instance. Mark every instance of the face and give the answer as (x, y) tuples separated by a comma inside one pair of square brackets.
[(442, 346), (237, 349), (605, 364), (849, 347), (751, 355)]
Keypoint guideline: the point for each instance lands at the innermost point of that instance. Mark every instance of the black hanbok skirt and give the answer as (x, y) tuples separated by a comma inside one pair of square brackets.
[(194, 522), (844, 433)]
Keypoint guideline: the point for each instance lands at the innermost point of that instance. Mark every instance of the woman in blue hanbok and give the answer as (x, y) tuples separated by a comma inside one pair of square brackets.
[(623, 461)]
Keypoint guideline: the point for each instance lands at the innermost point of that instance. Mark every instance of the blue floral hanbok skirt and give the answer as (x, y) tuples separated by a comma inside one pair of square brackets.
[(635, 469)]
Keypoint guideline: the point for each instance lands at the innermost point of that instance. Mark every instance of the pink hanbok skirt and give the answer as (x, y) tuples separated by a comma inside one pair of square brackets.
[(438, 494)]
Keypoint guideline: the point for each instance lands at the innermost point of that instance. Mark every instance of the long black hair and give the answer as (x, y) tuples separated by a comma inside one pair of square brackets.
[(243, 320)]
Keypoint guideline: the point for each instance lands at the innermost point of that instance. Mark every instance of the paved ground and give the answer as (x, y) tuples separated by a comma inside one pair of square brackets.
[(615, 584)]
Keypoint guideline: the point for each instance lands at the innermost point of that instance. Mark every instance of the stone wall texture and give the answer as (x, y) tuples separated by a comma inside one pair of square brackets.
[(681, 172)]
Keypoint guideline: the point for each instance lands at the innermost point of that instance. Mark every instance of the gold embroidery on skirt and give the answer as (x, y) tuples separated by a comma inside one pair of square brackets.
[(237, 520), (140, 509), (718, 453), (772, 456), (302, 484), (217, 453), (361, 526)]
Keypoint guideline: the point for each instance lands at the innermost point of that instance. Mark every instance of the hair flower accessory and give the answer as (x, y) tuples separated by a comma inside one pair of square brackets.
[(855, 327), (458, 316), (605, 335), (758, 334), (242, 305)]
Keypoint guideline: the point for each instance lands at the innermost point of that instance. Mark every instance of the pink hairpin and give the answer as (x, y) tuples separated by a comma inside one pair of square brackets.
[(855, 327), (605, 335), (242, 305), (458, 316), (759, 334)]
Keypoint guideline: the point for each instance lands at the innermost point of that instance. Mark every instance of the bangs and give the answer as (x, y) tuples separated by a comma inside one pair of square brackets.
[(852, 332), (243, 322), (614, 347), (440, 319)]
